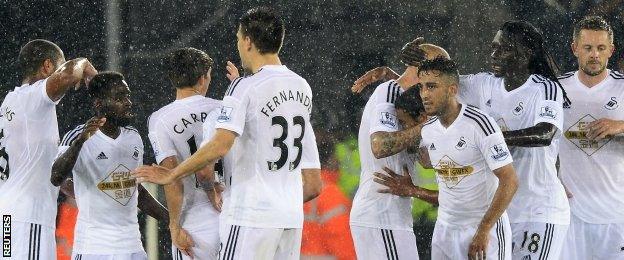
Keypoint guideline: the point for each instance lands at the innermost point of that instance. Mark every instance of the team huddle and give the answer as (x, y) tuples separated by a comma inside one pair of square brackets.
[(526, 162)]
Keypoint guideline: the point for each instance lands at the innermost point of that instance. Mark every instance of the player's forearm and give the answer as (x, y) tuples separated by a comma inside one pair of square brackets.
[(68, 75), (63, 166), (507, 187), (207, 154), (426, 195), (174, 194), (539, 135), (150, 206), (385, 144), (312, 184), (390, 74)]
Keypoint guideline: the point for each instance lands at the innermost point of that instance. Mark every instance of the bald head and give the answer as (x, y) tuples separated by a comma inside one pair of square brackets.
[(434, 51)]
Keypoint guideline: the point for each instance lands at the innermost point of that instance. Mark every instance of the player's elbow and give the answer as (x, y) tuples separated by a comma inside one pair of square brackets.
[(55, 179), (376, 147)]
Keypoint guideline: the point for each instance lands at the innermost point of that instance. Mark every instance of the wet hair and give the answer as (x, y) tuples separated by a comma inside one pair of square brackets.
[(101, 85), (265, 29), (540, 62), (594, 23), (185, 66), (442, 65), (411, 102), (34, 53)]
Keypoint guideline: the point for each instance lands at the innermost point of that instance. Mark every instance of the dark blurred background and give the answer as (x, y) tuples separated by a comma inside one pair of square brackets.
[(330, 43)]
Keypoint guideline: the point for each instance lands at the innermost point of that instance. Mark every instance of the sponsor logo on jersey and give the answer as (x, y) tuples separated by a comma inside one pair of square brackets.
[(461, 144), (102, 156), (577, 134), (119, 185), (548, 112), (498, 152), (518, 109), (432, 147), (388, 119), (225, 115), (450, 172), (612, 104), (135, 154)]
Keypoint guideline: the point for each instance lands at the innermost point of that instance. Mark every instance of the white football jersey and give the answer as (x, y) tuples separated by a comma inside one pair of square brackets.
[(176, 130), (27, 150), (270, 113), (464, 156), (540, 196), (371, 208), (593, 170), (106, 194)]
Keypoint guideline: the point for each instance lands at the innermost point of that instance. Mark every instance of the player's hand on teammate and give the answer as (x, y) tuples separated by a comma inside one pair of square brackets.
[(368, 78), (400, 185), (91, 126), (154, 174), (412, 54), (604, 128), (232, 71), (182, 240), (478, 246), (214, 196)]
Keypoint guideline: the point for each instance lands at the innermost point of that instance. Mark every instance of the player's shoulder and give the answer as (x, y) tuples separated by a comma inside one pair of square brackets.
[(550, 88), (428, 125), (72, 135), (567, 75), (480, 121), (239, 86), (387, 92), (616, 75), (481, 76), (131, 131)]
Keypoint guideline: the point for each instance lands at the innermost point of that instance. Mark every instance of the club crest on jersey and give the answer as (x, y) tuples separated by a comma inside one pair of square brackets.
[(498, 152), (548, 112), (136, 153), (612, 104), (225, 115), (389, 120), (489, 103), (461, 144), (518, 109)]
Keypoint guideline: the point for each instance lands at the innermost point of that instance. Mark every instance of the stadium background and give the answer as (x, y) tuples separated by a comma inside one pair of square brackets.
[(330, 43)]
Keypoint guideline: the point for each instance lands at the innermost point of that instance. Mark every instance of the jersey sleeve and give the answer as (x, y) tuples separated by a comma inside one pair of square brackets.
[(233, 114), (38, 99), (162, 144), (549, 106), (310, 157), (494, 149), (384, 118)]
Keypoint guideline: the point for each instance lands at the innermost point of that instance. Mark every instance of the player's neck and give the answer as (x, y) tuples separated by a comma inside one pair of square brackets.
[(32, 79), (409, 78), (110, 130), (591, 81), (260, 60), (182, 93), (516, 79), (450, 114)]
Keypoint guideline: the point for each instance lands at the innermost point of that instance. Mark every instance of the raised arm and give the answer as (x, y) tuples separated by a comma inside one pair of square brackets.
[(64, 164), (380, 73), (71, 73)]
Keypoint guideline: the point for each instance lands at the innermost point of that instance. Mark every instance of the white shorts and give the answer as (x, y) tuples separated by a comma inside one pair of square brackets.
[(376, 243), (129, 256), (537, 240), (248, 243), (206, 245), (31, 241), (593, 241), (452, 242)]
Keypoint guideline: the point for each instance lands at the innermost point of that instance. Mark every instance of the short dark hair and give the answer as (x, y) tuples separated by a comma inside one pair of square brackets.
[(265, 29), (185, 66), (411, 102), (443, 65), (34, 53), (594, 23), (102, 83)]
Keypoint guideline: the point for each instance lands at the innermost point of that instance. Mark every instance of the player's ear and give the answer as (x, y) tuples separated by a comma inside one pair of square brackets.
[(48, 67)]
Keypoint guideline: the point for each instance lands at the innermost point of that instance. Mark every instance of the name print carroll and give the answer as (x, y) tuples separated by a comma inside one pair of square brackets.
[(285, 96)]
